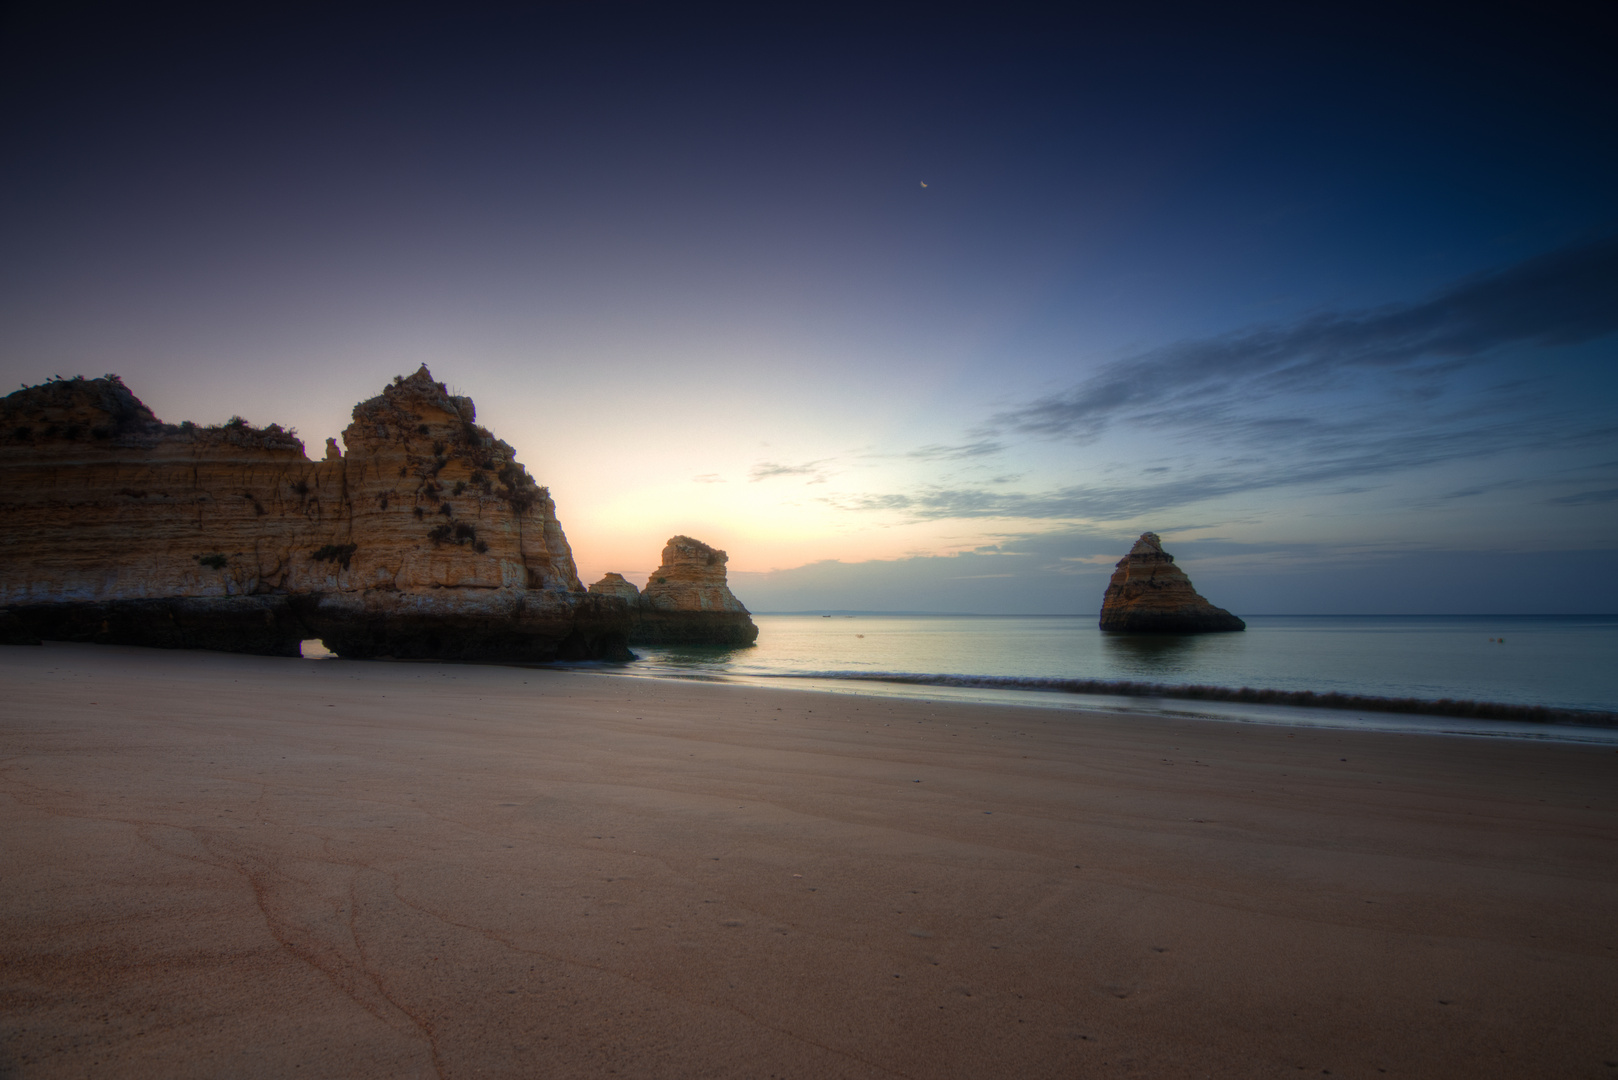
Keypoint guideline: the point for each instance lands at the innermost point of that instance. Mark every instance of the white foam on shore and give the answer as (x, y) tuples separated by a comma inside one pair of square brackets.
[(1181, 708)]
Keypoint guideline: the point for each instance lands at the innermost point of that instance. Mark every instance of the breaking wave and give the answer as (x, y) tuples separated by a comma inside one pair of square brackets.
[(1481, 710)]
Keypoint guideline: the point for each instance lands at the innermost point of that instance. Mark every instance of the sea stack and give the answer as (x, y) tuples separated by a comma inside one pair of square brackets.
[(425, 539), (1148, 594), (616, 585), (687, 600)]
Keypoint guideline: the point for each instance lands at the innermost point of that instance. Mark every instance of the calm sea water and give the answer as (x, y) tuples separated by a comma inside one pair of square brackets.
[(1559, 661)]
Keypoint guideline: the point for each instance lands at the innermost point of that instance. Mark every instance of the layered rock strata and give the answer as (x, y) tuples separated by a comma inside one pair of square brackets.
[(1149, 594), (426, 539), (687, 600), (617, 585)]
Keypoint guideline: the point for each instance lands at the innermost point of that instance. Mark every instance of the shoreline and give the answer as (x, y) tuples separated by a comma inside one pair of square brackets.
[(1554, 672), (1497, 719), (1192, 709), (1305, 699), (1269, 700), (238, 865)]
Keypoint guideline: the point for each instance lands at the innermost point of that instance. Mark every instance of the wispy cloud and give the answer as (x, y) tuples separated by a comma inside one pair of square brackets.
[(1587, 498), (768, 470), (1334, 402), (1332, 456), (939, 452), (708, 478), (1563, 298)]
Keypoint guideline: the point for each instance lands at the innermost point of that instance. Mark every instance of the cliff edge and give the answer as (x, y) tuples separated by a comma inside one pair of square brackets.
[(1149, 594), (426, 539)]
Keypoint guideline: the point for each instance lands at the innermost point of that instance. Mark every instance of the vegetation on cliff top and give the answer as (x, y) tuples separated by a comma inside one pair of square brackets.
[(103, 409)]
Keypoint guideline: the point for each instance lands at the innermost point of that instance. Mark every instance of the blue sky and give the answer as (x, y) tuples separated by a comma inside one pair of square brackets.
[(1330, 302)]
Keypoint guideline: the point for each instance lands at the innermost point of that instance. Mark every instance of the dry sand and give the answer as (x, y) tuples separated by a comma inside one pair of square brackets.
[(245, 867)]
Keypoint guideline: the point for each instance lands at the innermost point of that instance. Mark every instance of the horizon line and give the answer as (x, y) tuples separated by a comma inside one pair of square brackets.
[(1252, 615)]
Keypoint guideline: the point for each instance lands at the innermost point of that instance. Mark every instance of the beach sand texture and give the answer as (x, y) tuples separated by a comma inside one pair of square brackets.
[(224, 866)]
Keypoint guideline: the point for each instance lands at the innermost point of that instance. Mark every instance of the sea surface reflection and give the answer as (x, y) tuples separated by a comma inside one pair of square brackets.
[(1566, 662), (1155, 657)]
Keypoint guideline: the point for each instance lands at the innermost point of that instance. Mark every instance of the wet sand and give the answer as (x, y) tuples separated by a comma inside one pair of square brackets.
[(248, 867)]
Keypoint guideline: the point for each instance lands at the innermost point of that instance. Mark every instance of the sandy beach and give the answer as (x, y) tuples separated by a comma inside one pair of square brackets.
[(229, 866)]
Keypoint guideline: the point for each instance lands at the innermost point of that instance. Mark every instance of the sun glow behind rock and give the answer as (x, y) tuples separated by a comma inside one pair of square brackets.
[(1292, 340)]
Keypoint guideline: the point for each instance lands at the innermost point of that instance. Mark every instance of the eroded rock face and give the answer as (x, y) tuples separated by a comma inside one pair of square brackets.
[(1149, 594), (426, 539), (687, 600), (616, 585)]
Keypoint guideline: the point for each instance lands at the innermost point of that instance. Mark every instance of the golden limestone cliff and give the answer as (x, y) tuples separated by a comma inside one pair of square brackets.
[(427, 539), (687, 599), (1149, 594)]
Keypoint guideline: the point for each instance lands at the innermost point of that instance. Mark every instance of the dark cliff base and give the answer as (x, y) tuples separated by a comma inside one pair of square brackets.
[(593, 628), (265, 625), (693, 628), (473, 640), (277, 625), (1215, 621)]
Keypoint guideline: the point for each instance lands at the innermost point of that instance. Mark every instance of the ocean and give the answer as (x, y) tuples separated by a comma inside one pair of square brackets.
[(1560, 662)]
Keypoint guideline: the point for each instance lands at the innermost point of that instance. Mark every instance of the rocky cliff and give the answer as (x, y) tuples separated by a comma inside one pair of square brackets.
[(687, 600), (427, 539), (1149, 594)]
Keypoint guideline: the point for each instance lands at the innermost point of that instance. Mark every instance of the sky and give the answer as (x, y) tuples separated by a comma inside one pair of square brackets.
[(924, 309)]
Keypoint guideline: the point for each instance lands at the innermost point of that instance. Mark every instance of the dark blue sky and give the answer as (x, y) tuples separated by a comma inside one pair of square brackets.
[(1323, 296)]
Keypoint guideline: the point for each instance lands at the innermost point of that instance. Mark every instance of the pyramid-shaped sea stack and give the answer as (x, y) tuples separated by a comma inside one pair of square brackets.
[(1148, 594)]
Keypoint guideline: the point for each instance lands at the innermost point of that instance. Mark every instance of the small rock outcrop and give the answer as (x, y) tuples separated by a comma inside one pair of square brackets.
[(688, 602), (1148, 594), (615, 585)]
